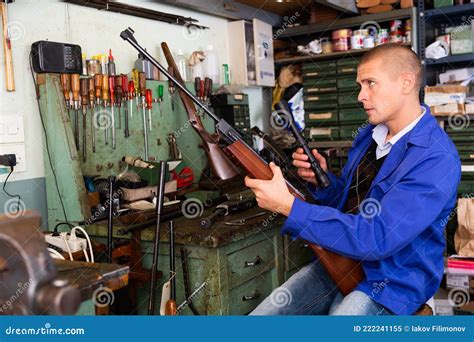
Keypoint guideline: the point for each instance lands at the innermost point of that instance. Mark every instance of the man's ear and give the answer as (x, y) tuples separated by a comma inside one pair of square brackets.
[(408, 82)]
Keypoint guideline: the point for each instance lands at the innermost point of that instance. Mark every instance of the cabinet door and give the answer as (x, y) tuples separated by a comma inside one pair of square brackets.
[(264, 64)]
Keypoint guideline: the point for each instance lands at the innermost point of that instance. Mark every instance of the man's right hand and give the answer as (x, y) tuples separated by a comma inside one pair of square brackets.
[(300, 160)]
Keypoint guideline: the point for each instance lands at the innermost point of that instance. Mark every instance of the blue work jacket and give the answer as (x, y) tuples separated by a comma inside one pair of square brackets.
[(399, 235)]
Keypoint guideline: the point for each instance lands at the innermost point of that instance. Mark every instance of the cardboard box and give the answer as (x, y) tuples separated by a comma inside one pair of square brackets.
[(447, 109), (442, 306), (455, 75), (441, 95), (464, 281)]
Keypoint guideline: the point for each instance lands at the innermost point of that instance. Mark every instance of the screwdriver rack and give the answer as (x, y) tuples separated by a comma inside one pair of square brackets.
[(67, 158)]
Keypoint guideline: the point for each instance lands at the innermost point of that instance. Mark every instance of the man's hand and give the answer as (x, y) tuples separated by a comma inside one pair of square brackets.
[(304, 167), (272, 195)]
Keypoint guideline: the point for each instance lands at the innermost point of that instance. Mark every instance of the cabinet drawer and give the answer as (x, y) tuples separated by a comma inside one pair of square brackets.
[(348, 62), (352, 115), (297, 253), (348, 99), (346, 84), (250, 261), (347, 70), (328, 98), (327, 65), (320, 117), (321, 133), (244, 298), (308, 74), (348, 132)]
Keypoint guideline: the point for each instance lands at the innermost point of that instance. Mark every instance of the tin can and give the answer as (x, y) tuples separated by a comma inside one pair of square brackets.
[(341, 40), (395, 25), (326, 45), (382, 37)]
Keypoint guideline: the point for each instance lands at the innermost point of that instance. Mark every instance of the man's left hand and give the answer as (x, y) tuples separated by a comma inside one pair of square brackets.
[(272, 195)]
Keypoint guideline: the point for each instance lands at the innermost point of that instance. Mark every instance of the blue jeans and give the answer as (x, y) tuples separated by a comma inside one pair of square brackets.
[(311, 291)]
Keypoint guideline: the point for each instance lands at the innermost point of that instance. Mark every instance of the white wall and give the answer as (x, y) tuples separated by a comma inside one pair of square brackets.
[(95, 31)]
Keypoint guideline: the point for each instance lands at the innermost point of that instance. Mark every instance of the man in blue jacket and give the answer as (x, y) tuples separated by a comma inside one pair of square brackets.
[(386, 209)]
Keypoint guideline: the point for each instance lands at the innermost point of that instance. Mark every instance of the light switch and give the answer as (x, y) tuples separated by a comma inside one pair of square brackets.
[(11, 129)]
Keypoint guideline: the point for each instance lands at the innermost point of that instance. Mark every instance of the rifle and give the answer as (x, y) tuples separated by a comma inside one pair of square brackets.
[(345, 272)]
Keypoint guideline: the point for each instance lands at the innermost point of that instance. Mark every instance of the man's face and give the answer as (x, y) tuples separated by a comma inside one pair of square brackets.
[(380, 91)]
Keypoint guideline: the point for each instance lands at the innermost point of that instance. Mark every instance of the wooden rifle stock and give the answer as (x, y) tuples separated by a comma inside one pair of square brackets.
[(221, 166), (345, 272)]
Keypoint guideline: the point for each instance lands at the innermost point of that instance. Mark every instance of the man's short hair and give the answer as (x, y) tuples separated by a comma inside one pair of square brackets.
[(400, 57)]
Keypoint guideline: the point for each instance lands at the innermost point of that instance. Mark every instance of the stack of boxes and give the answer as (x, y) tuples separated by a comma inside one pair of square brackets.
[(452, 99)]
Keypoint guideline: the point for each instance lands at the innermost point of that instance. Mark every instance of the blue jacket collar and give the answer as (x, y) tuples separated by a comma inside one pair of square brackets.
[(420, 135)]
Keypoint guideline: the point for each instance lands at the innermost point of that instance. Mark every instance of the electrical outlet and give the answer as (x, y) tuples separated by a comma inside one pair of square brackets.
[(19, 151), (75, 244)]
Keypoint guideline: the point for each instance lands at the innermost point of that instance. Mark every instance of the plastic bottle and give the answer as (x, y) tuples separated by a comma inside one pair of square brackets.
[(182, 65), (211, 65)]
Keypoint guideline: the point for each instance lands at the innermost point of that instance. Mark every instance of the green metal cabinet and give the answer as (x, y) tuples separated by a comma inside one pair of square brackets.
[(241, 265)]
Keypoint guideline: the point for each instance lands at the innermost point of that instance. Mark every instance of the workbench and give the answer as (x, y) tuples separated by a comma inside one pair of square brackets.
[(241, 264)]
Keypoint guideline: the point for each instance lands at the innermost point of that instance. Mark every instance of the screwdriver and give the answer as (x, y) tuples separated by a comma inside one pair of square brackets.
[(66, 86), (111, 64), (207, 90), (159, 99), (197, 86), (91, 106), (136, 85), (84, 103), (149, 100), (105, 103), (142, 85), (98, 97), (75, 87), (131, 94), (112, 105), (118, 98), (125, 106)]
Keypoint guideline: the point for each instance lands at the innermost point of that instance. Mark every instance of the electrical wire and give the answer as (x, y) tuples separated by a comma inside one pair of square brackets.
[(67, 247), (55, 254), (46, 136), (87, 238), (8, 194)]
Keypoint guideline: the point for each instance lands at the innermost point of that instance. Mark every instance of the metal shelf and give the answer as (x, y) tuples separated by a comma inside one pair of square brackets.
[(448, 10), (340, 54), (469, 57), (344, 23)]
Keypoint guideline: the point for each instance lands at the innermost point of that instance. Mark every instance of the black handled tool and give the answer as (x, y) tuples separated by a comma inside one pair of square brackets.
[(283, 109), (225, 209)]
